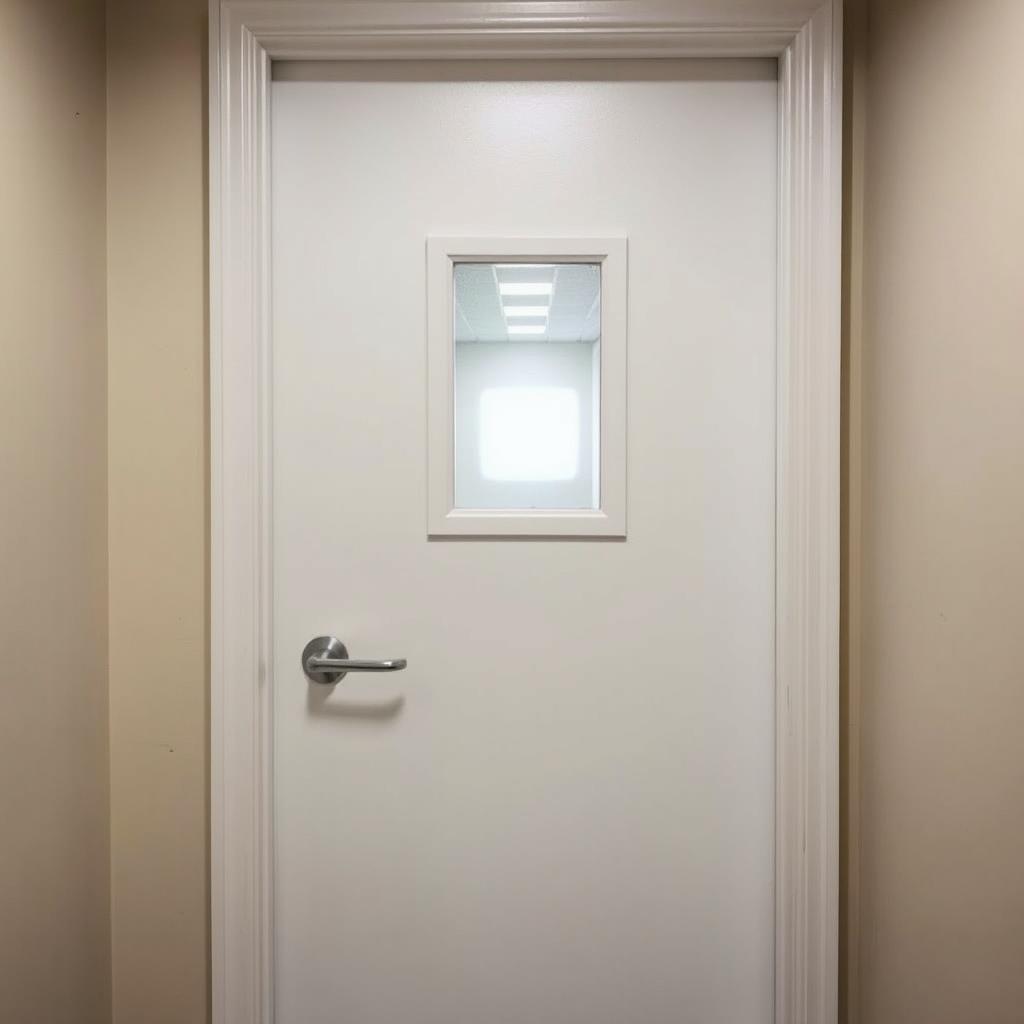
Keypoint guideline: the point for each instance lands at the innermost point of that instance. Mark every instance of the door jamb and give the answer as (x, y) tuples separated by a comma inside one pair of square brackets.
[(805, 37)]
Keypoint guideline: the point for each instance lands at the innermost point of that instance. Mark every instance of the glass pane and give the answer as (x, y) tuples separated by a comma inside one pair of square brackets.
[(527, 385)]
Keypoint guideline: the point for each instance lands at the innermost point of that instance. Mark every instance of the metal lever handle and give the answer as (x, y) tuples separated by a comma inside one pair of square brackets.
[(325, 660), (354, 665)]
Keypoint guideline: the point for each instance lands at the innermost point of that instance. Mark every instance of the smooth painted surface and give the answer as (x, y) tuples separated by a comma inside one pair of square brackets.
[(942, 660), (158, 506), (54, 812), (563, 807)]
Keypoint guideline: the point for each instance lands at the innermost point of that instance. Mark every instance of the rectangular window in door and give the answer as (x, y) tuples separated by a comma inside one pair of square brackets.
[(527, 388)]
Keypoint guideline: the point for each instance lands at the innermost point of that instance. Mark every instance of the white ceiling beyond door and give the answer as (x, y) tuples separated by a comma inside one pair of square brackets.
[(497, 302)]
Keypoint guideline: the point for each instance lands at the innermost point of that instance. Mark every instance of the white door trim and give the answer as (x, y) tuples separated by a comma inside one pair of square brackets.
[(245, 36)]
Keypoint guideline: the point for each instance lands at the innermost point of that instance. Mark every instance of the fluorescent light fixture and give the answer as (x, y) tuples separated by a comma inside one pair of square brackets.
[(529, 434), (526, 310), (527, 328), (525, 287)]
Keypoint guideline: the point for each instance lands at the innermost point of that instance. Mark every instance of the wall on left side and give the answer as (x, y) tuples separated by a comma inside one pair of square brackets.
[(156, 180), (54, 804)]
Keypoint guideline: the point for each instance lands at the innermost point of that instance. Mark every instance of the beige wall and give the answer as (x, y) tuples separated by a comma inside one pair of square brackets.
[(54, 892), (941, 829), (158, 498)]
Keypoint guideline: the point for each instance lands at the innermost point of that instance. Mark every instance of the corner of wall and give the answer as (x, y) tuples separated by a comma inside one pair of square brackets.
[(854, 84)]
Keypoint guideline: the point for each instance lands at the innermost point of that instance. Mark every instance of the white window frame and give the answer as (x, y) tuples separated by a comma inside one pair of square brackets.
[(443, 517), (805, 37)]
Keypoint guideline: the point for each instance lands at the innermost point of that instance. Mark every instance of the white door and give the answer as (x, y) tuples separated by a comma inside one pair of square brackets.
[(561, 810)]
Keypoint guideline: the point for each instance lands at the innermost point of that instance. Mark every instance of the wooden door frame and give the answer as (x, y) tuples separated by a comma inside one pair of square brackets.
[(805, 37)]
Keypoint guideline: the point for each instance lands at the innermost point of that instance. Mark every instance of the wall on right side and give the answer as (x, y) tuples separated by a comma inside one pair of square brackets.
[(939, 888)]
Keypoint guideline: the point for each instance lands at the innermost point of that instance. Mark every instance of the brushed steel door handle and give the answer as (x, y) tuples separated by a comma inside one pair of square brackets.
[(325, 660)]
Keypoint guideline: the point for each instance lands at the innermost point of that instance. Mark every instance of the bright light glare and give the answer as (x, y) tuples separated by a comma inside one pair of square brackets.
[(525, 288), (527, 328), (525, 310), (529, 434)]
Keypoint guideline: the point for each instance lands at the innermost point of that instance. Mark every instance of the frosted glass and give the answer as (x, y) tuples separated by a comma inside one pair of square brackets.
[(527, 385)]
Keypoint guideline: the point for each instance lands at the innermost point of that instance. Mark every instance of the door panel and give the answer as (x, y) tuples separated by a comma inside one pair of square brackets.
[(562, 810)]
